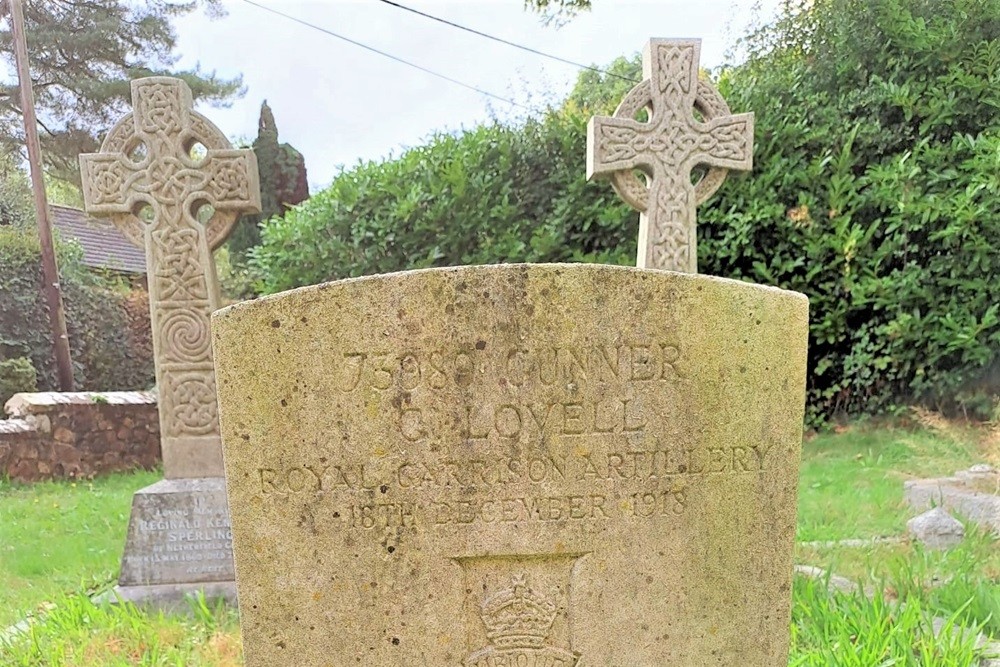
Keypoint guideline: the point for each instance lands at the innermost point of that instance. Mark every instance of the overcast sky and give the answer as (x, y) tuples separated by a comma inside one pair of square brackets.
[(338, 103)]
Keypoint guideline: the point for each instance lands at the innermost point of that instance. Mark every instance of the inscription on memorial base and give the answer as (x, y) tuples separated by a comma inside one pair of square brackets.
[(179, 533), (520, 465)]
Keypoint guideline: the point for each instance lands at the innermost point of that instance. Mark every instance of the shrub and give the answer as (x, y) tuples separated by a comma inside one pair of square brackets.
[(875, 191), (16, 203), (16, 375), (492, 194), (107, 355)]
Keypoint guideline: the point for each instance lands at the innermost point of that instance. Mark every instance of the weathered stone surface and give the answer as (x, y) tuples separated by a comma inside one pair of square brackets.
[(514, 465), (172, 598), (667, 148), (833, 581), (981, 476), (147, 162), (936, 529), (178, 534), (183, 289)]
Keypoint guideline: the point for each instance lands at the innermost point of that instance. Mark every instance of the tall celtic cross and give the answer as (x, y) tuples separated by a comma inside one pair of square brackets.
[(667, 148), (146, 162)]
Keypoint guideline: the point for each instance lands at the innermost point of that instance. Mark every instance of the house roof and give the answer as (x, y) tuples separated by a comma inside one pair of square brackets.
[(103, 245)]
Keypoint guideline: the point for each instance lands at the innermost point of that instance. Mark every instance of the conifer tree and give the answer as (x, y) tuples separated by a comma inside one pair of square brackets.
[(283, 183)]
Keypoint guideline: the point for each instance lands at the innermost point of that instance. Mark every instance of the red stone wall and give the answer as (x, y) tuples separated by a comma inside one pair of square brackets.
[(55, 436)]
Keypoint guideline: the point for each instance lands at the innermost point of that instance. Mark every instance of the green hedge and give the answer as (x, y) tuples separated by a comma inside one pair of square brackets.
[(492, 194), (875, 191), (16, 375), (106, 354)]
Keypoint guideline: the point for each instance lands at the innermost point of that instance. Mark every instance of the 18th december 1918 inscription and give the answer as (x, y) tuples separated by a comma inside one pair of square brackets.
[(603, 459)]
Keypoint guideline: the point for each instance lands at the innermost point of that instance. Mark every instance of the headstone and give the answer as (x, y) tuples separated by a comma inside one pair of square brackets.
[(936, 529), (178, 536), (514, 465), (666, 147)]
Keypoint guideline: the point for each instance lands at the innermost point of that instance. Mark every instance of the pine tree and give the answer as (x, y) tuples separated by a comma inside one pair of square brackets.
[(83, 54)]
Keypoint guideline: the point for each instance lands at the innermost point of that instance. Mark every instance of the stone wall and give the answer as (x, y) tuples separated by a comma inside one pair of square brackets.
[(53, 435)]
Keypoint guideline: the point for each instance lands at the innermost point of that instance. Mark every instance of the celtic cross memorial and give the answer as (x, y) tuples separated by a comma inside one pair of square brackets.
[(689, 125), (146, 161), (158, 170)]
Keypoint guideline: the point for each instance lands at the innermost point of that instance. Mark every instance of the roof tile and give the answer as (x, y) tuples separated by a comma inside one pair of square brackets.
[(103, 245)]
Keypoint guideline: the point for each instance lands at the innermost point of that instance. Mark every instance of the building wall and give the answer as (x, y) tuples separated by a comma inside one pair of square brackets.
[(51, 435)]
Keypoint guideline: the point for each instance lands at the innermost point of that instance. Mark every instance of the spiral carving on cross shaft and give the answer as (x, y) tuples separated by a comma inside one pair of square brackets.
[(185, 335)]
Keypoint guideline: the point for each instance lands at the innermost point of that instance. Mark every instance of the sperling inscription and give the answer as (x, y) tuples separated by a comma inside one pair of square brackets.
[(190, 539), (202, 540)]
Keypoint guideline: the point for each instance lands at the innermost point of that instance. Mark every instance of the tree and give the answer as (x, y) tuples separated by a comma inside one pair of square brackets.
[(17, 207), (599, 92), (83, 55), (283, 183), (557, 11)]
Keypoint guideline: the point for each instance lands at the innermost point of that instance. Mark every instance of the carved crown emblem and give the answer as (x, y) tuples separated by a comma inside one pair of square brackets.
[(518, 617)]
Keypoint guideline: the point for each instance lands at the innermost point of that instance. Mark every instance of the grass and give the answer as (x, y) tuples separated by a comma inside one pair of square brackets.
[(963, 580), (61, 537), (78, 633), (851, 487), (851, 630), (851, 483), (828, 630)]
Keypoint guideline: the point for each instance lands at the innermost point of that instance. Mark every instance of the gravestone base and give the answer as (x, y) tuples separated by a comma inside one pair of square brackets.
[(172, 598), (179, 542)]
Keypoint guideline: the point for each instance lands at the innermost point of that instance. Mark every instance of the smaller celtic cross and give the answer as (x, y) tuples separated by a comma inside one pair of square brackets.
[(667, 148), (146, 162)]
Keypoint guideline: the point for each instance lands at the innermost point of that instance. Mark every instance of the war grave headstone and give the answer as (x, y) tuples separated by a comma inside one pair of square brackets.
[(515, 466), (179, 539)]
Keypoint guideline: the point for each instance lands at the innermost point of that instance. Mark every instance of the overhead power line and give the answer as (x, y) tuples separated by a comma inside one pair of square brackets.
[(507, 42), (387, 55)]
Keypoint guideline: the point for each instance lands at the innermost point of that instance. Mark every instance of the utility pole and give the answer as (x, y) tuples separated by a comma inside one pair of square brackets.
[(50, 272)]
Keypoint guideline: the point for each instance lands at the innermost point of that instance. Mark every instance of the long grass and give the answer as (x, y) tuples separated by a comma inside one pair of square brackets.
[(829, 629), (833, 629), (78, 633), (61, 537)]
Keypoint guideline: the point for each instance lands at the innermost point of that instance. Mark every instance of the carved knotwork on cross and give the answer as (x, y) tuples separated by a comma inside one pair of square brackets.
[(146, 161), (667, 148)]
